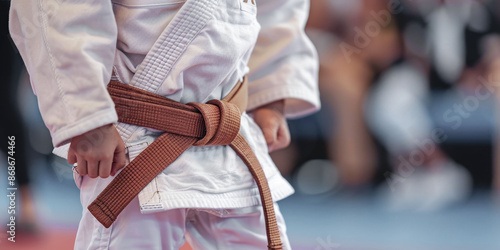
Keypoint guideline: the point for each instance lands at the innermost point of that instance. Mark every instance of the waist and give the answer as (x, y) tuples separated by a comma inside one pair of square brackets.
[(183, 86)]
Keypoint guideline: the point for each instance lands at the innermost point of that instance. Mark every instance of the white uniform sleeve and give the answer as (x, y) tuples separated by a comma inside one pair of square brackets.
[(284, 63), (68, 48)]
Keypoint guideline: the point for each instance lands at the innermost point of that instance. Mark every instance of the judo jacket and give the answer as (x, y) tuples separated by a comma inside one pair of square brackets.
[(73, 48)]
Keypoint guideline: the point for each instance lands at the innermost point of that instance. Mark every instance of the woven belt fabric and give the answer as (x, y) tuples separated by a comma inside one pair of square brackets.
[(194, 124)]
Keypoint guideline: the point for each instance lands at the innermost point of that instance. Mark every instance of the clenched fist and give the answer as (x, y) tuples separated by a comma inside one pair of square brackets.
[(99, 152), (272, 122)]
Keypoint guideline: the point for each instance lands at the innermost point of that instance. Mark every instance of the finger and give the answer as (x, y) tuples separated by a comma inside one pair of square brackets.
[(82, 166), (283, 138), (105, 167), (269, 134), (116, 166), (71, 156), (118, 159), (93, 169)]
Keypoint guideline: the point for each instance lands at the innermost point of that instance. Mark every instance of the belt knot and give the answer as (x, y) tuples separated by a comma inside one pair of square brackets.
[(222, 122)]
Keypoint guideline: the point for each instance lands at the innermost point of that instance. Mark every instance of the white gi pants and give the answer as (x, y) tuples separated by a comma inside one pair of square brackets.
[(241, 228)]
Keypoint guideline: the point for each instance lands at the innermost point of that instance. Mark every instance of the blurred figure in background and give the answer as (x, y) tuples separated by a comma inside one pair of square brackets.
[(447, 47), (382, 64), (339, 131), (344, 84)]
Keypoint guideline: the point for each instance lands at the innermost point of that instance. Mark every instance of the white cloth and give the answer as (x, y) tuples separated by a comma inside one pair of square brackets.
[(71, 47), (446, 38), (241, 228), (396, 109)]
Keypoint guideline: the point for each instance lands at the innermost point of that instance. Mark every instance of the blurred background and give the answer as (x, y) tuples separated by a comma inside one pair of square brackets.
[(403, 155)]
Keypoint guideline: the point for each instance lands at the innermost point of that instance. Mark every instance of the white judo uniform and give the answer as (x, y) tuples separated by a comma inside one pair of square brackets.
[(73, 48)]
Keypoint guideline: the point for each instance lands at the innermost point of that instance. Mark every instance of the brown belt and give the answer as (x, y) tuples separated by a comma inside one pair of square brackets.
[(195, 124)]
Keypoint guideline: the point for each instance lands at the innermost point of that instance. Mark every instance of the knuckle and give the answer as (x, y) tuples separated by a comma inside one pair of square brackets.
[(106, 158), (91, 157), (83, 146)]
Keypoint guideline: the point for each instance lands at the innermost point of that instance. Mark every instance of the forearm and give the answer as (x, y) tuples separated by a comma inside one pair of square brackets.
[(68, 48), (284, 63)]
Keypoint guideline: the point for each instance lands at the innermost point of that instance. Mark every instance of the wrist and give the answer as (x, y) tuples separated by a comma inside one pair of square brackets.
[(277, 106)]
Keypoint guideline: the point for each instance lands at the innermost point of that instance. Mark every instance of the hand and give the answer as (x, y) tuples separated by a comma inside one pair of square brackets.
[(273, 124), (99, 152)]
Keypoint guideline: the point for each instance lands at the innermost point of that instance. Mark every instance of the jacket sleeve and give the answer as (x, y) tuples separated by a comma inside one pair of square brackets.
[(284, 63), (68, 48)]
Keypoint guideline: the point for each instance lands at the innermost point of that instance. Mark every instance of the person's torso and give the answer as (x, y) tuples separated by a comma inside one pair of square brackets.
[(212, 62)]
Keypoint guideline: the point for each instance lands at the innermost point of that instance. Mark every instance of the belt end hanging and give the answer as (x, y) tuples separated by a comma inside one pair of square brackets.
[(99, 212)]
